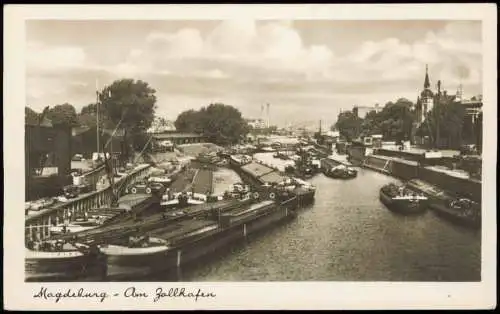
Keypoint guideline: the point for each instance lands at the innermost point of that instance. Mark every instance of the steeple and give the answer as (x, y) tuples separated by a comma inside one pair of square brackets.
[(427, 83)]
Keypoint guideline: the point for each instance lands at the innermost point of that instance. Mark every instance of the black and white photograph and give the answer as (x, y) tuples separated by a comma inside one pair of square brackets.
[(222, 148)]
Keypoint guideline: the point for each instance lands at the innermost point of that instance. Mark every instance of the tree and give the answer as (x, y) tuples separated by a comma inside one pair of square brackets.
[(189, 121), (129, 105), (221, 124), (449, 115), (30, 116), (88, 117), (394, 122), (349, 125), (63, 115)]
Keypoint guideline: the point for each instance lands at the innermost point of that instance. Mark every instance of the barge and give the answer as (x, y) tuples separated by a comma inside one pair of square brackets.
[(341, 172), (402, 200), (190, 240), (458, 209), (60, 261)]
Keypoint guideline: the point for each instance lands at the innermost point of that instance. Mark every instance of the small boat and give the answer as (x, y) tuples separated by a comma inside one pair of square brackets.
[(88, 219), (139, 256), (341, 172), (165, 180), (70, 228), (403, 200), (59, 260)]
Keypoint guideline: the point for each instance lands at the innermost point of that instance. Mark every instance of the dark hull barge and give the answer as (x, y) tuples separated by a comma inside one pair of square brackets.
[(459, 210), (190, 240), (406, 202)]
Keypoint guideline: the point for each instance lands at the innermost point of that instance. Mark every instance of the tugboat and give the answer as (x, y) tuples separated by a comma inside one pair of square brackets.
[(341, 172), (402, 200), (304, 167), (302, 191)]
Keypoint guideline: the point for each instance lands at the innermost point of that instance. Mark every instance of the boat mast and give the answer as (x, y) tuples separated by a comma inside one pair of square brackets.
[(97, 113), (109, 172)]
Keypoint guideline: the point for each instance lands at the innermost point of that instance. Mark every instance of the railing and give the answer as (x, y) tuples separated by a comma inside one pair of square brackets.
[(38, 225)]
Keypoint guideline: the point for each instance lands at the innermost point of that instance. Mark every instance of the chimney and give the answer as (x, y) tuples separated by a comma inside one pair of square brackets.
[(268, 122)]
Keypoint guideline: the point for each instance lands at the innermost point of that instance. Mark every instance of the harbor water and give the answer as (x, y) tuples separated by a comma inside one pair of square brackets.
[(348, 235)]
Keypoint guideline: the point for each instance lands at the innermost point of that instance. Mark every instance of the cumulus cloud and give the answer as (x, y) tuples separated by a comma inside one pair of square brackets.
[(43, 57), (273, 46), (249, 62), (453, 54)]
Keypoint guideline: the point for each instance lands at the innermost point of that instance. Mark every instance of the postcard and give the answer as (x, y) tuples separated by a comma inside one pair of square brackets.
[(319, 156)]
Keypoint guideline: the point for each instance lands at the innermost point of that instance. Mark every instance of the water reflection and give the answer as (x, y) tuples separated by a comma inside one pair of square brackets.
[(349, 235)]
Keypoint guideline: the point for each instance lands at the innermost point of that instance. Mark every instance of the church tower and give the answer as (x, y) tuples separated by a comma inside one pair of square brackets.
[(426, 97)]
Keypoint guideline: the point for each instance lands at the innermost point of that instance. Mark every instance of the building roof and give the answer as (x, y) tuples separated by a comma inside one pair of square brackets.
[(256, 170), (82, 129), (273, 177), (170, 135), (427, 83)]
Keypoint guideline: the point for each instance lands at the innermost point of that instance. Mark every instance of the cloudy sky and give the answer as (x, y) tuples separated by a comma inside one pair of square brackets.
[(306, 70)]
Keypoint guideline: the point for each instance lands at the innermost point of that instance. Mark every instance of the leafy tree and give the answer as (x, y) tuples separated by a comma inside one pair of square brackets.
[(30, 116), (88, 117), (189, 121), (446, 120), (64, 115), (129, 105), (394, 122), (397, 120), (349, 125), (221, 124), (34, 118)]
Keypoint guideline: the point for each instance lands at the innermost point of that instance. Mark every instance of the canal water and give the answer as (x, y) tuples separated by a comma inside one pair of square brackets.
[(348, 235)]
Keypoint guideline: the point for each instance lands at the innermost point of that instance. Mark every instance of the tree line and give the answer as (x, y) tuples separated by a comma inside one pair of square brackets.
[(393, 122), (126, 104), (130, 106), (397, 121)]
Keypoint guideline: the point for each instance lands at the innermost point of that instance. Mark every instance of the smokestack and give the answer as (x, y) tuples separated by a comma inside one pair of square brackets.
[(268, 122)]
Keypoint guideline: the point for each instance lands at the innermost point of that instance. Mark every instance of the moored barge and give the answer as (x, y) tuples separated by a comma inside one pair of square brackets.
[(402, 200), (60, 261), (458, 209), (188, 240), (341, 172)]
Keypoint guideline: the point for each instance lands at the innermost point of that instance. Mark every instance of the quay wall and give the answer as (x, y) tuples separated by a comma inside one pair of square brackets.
[(400, 154), (38, 225), (407, 170)]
